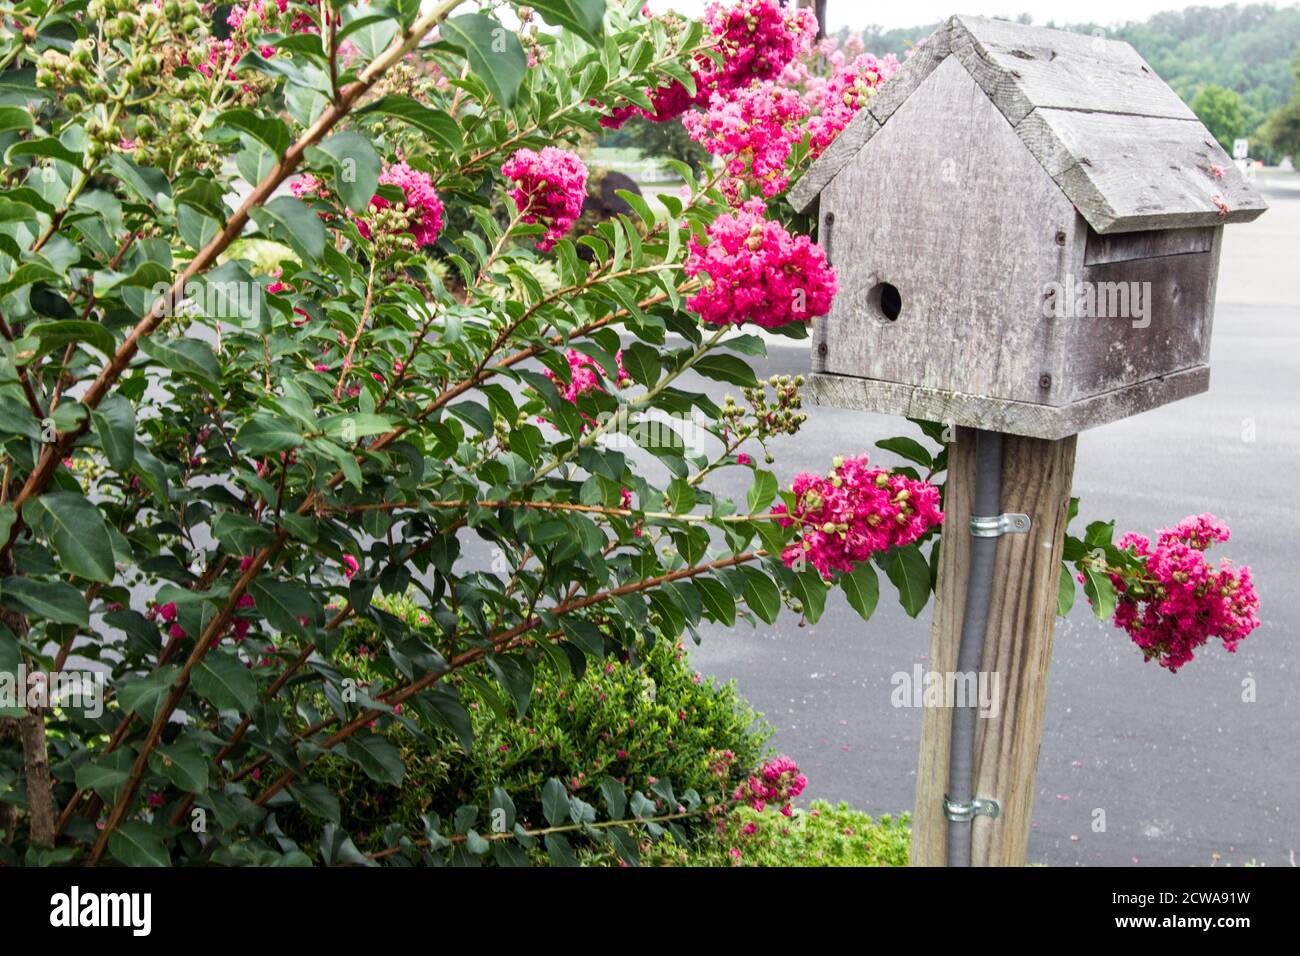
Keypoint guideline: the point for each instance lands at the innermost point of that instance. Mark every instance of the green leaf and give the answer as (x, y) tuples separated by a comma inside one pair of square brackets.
[(356, 167), (717, 600), (762, 596), (189, 357), (862, 589), (48, 147), (911, 575), (115, 425), (763, 491), (102, 779), (908, 448), (726, 368), (77, 533), (584, 17), (318, 800), (381, 761), (226, 683), (555, 802), (494, 54), (144, 696), (136, 843), (681, 496), (186, 766), (435, 122), (370, 33), (263, 434), (59, 332), (1066, 593), (147, 183), (12, 118), (501, 810), (642, 363), (614, 796), (282, 604), (270, 132), (290, 220), (810, 588), (1101, 592)]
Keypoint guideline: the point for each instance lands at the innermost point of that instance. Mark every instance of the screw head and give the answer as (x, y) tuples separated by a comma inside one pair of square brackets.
[(821, 348), (830, 218), (1044, 381), (1060, 237)]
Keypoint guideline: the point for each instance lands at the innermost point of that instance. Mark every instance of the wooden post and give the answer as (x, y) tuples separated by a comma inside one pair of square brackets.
[(1036, 479)]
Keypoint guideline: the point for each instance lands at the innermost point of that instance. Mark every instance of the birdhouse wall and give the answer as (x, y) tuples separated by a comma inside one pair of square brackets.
[(946, 205), (1142, 309)]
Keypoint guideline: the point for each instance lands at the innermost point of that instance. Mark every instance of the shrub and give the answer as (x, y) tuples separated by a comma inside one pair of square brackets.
[(640, 718), (822, 835)]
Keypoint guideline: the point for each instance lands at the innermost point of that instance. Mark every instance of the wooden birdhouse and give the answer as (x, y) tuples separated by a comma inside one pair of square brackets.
[(1026, 225)]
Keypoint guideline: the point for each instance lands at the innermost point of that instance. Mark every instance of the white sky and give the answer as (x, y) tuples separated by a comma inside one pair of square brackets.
[(860, 13)]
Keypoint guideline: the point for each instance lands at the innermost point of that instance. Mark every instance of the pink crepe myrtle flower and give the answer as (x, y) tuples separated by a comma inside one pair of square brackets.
[(550, 188), (585, 374), (420, 196), (778, 781), (350, 566), (755, 128), (757, 272), (1181, 600), (757, 39), (743, 459), (854, 512), (306, 186), (846, 92)]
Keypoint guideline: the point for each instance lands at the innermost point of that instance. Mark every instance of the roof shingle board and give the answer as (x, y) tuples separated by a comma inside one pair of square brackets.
[(1118, 142)]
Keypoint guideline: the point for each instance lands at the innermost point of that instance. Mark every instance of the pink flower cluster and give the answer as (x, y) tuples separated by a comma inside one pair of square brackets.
[(757, 272), (756, 127), (756, 38), (777, 782), (846, 92), (550, 188), (585, 375), (417, 186), (855, 511), (229, 51), (1181, 600)]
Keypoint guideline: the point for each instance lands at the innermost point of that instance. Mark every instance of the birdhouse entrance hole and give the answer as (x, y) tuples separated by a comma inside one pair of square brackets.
[(885, 301)]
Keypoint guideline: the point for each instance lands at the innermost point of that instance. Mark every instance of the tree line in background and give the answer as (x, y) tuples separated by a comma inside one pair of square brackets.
[(1238, 67)]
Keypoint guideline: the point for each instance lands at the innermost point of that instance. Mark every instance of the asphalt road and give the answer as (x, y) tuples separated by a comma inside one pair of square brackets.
[(1187, 772)]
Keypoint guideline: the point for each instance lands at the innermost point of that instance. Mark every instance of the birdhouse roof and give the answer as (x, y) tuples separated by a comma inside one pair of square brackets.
[(1118, 142)]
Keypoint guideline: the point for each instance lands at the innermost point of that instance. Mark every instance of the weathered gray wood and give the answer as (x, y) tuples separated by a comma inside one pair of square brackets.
[(968, 237), (845, 146), (1012, 418), (929, 845), (1117, 141), (1148, 316), (884, 101), (1036, 479), (927, 56), (1123, 246), (1023, 68), (1125, 173)]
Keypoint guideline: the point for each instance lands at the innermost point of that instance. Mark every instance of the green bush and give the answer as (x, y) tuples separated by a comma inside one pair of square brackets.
[(822, 835), (642, 720)]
